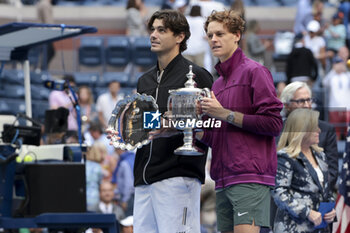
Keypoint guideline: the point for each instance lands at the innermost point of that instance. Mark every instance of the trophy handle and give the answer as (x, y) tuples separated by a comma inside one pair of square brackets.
[(204, 93)]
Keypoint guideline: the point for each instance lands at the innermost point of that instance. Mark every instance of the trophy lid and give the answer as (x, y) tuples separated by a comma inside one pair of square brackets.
[(190, 82), (190, 86)]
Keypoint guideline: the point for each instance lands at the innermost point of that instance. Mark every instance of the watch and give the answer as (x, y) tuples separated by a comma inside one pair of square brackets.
[(230, 118)]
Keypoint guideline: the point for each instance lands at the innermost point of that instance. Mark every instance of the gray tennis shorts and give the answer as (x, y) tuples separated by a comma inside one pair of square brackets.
[(243, 204)]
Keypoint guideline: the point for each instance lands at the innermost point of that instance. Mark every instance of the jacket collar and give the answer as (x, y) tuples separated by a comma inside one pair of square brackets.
[(227, 67), (312, 170), (170, 66)]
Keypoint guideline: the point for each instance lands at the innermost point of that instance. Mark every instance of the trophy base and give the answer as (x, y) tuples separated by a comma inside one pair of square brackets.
[(187, 151)]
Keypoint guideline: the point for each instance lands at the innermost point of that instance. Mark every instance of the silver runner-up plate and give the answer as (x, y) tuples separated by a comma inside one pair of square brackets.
[(127, 120)]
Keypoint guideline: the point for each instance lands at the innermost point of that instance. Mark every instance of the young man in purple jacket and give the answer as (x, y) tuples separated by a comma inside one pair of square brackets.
[(244, 152)]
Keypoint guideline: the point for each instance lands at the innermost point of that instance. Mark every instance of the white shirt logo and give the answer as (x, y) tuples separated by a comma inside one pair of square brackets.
[(240, 214)]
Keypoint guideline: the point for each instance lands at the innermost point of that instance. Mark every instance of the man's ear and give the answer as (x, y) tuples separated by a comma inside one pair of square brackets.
[(180, 38), (238, 36), (287, 108)]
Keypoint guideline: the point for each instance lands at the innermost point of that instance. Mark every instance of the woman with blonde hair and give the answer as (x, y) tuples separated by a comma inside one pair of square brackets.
[(302, 176), (94, 173), (87, 107)]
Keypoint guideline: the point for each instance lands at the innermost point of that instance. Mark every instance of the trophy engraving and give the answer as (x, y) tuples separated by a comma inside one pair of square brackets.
[(127, 119), (182, 103)]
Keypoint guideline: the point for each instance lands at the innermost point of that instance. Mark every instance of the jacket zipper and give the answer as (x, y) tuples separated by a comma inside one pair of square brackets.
[(159, 76)]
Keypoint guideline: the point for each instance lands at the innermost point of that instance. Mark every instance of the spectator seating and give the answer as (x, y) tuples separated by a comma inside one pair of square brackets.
[(12, 106), (39, 92), (127, 90), (4, 107), (117, 51), (91, 51), (289, 3), (107, 77), (39, 108), (12, 76), (268, 3), (86, 78), (133, 79), (13, 91), (141, 53), (39, 77)]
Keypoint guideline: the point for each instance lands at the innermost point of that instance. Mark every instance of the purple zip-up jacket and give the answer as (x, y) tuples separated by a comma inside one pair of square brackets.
[(247, 154)]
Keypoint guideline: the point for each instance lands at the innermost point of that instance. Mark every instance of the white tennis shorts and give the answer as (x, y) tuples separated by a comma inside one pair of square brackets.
[(168, 206)]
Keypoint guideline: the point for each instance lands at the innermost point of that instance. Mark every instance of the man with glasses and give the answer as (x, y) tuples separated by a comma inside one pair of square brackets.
[(299, 102), (298, 95)]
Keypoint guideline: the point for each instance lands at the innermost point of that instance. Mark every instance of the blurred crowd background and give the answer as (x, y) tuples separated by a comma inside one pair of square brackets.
[(298, 40)]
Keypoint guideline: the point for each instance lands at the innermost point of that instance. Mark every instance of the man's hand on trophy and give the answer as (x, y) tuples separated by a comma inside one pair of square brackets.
[(212, 107), (112, 135), (199, 110)]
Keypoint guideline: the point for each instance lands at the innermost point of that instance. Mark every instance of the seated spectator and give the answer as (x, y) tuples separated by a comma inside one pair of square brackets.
[(123, 178), (96, 134), (94, 175), (255, 46), (303, 16), (107, 204), (343, 53), (107, 101), (180, 5), (316, 43), (238, 5), (136, 18), (64, 99), (317, 14), (301, 64), (87, 107), (302, 176), (197, 43), (344, 10), (338, 83), (109, 162), (335, 34)]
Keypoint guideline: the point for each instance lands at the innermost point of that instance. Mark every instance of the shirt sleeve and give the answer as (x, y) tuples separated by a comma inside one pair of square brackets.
[(267, 119), (207, 136)]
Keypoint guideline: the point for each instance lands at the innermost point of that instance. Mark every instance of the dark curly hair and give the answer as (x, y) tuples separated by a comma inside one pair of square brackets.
[(232, 20), (175, 21)]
